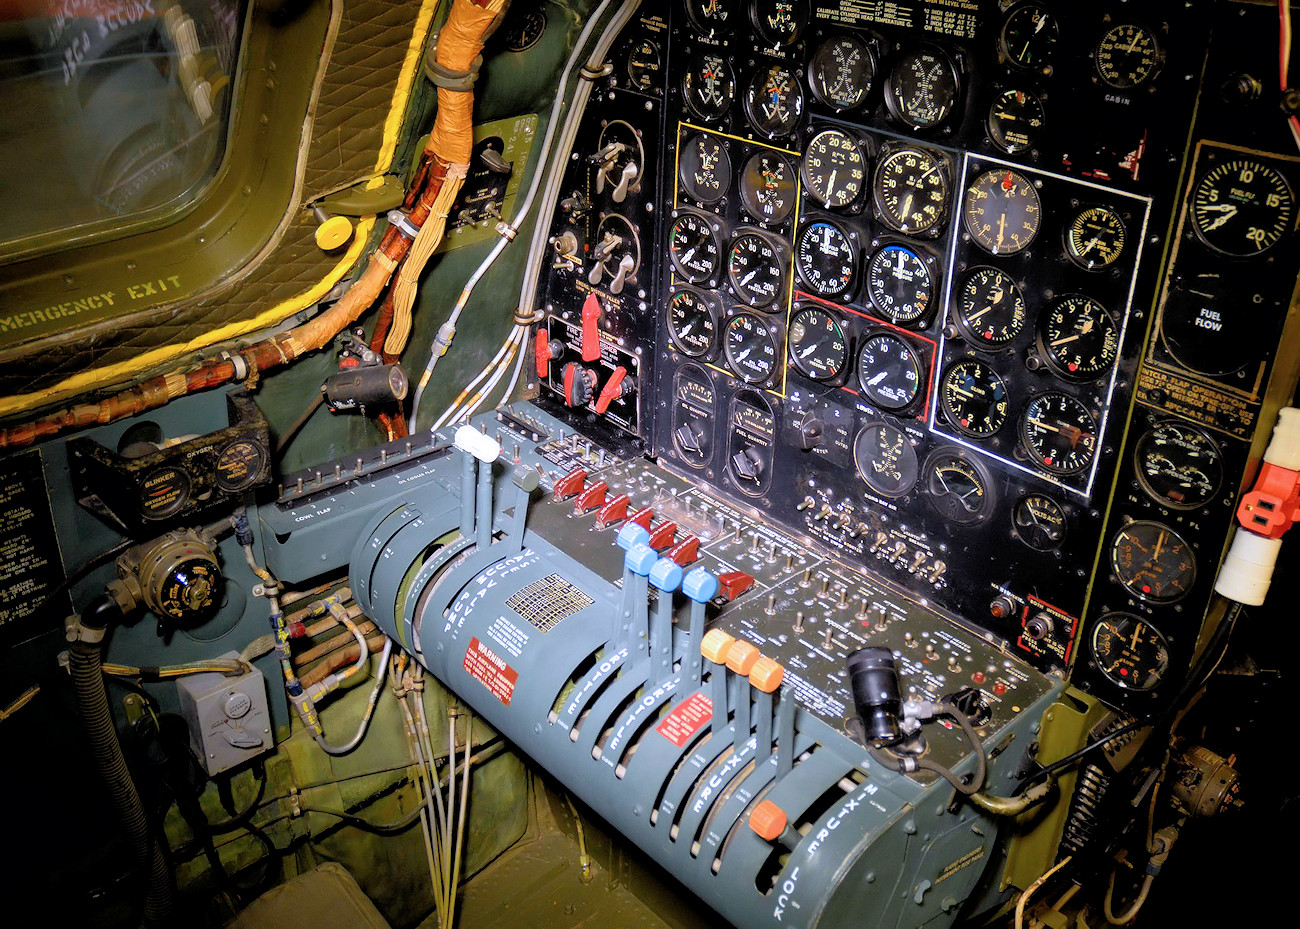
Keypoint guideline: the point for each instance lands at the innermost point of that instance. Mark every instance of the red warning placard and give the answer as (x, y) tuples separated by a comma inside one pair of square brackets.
[(491, 670), (686, 719)]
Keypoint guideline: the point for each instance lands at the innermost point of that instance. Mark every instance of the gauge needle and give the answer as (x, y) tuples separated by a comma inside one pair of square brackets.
[(741, 356), (1160, 543), (878, 378), (1039, 424), (1068, 338), (975, 317), (809, 350), (1227, 210), (830, 183), (907, 207), (748, 277), (688, 254), (1002, 227)]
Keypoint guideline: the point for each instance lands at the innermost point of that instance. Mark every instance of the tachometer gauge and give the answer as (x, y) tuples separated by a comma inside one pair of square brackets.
[(1127, 55), (780, 22), (990, 308), (922, 89), (973, 398), (750, 348), (1059, 433), (1242, 207), (644, 62), (1039, 522), (774, 101), (827, 259), (841, 73), (910, 191), (1029, 36), (705, 169), (834, 168), (958, 486), (1002, 211), (754, 266), (1153, 562), (899, 284), (709, 86), (889, 372), (712, 15), (1094, 237), (1130, 651), (818, 348), (1077, 336), (768, 187), (1015, 120), (693, 247), (885, 459), (692, 323), (1178, 466)]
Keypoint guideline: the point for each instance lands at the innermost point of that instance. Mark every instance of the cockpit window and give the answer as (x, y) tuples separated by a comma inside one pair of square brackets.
[(111, 109)]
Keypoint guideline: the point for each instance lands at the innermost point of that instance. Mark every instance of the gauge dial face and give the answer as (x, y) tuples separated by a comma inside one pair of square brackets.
[(1127, 55), (1178, 466), (692, 323), (780, 22), (1029, 36), (239, 465), (1242, 207), (827, 259), (958, 487), (889, 371), (695, 415), (709, 86), (817, 345), (163, 492), (1039, 522), (1002, 211), (1078, 338), (644, 62), (1059, 433), (911, 191), (705, 169), (750, 347), (753, 429), (1130, 651), (1153, 562), (834, 168), (693, 247), (768, 188), (1094, 238), (712, 15), (774, 101), (841, 73), (886, 459), (974, 398), (1015, 120), (921, 90), (754, 265), (990, 308), (899, 284)]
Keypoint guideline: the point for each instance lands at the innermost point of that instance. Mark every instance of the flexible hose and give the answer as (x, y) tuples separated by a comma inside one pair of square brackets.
[(370, 707)]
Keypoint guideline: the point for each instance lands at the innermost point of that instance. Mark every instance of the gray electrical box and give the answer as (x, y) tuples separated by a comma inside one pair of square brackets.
[(229, 717)]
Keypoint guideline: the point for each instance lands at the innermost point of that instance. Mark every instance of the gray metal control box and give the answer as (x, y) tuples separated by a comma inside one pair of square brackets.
[(229, 717)]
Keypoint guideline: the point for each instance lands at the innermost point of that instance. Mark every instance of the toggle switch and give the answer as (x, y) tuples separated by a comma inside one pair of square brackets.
[(614, 511), (591, 313), (571, 484)]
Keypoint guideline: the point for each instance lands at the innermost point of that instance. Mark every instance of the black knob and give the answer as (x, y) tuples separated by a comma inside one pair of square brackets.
[(873, 679), (1039, 627)]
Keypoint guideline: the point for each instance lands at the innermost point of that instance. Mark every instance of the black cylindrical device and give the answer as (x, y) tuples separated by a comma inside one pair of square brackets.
[(873, 678)]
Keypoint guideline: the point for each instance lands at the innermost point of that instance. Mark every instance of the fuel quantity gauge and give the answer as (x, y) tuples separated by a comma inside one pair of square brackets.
[(1178, 466)]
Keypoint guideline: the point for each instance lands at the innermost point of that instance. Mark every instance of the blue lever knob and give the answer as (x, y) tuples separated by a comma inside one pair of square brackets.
[(700, 585), (666, 574), (640, 559), (631, 534)]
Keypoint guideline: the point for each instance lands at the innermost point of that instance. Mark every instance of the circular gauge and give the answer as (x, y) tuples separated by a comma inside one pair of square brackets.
[(1002, 211), (1078, 338), (779, 21), (644, 62), (889, 371), (1059, 433), (1015, 120), (1202, 324), (693, 247), (1094, 238), (958, 487), (818, 348), (754, 264), (1029, 36), (990, 308), (774, 101), (708, 86), (692, 323), (712, 15), (768, 188), (834, 168), (885, 459), (240, 465), (1039, 522), (753, 429), (705, 169), (826, 258), (911, 191), (695, 414), (163, 492), (899, 284), (921, 90), (750, 347), (841, 72), (1153, 562), (1242, 207), (1178, 466), (974, 398), (1129, 651), (1127, 55), (525, 34)]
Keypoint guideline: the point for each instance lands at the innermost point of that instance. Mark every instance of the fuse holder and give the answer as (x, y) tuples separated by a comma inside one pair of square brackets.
[(742, 656), (715, 645), (686, 551), (768, 821), (571, 484), (766, 675), (592, 497), (642, 517), (733, 583), (663, 535), (612, 391), (591, 313), (614, 511)]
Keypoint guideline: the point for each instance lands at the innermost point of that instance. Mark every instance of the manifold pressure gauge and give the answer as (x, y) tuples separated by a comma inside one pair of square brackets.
[(834, 168), (899, 284)]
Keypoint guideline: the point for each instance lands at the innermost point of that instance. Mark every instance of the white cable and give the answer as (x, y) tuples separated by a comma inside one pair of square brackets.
[(449, 414), (370, 707), (478, 397)]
